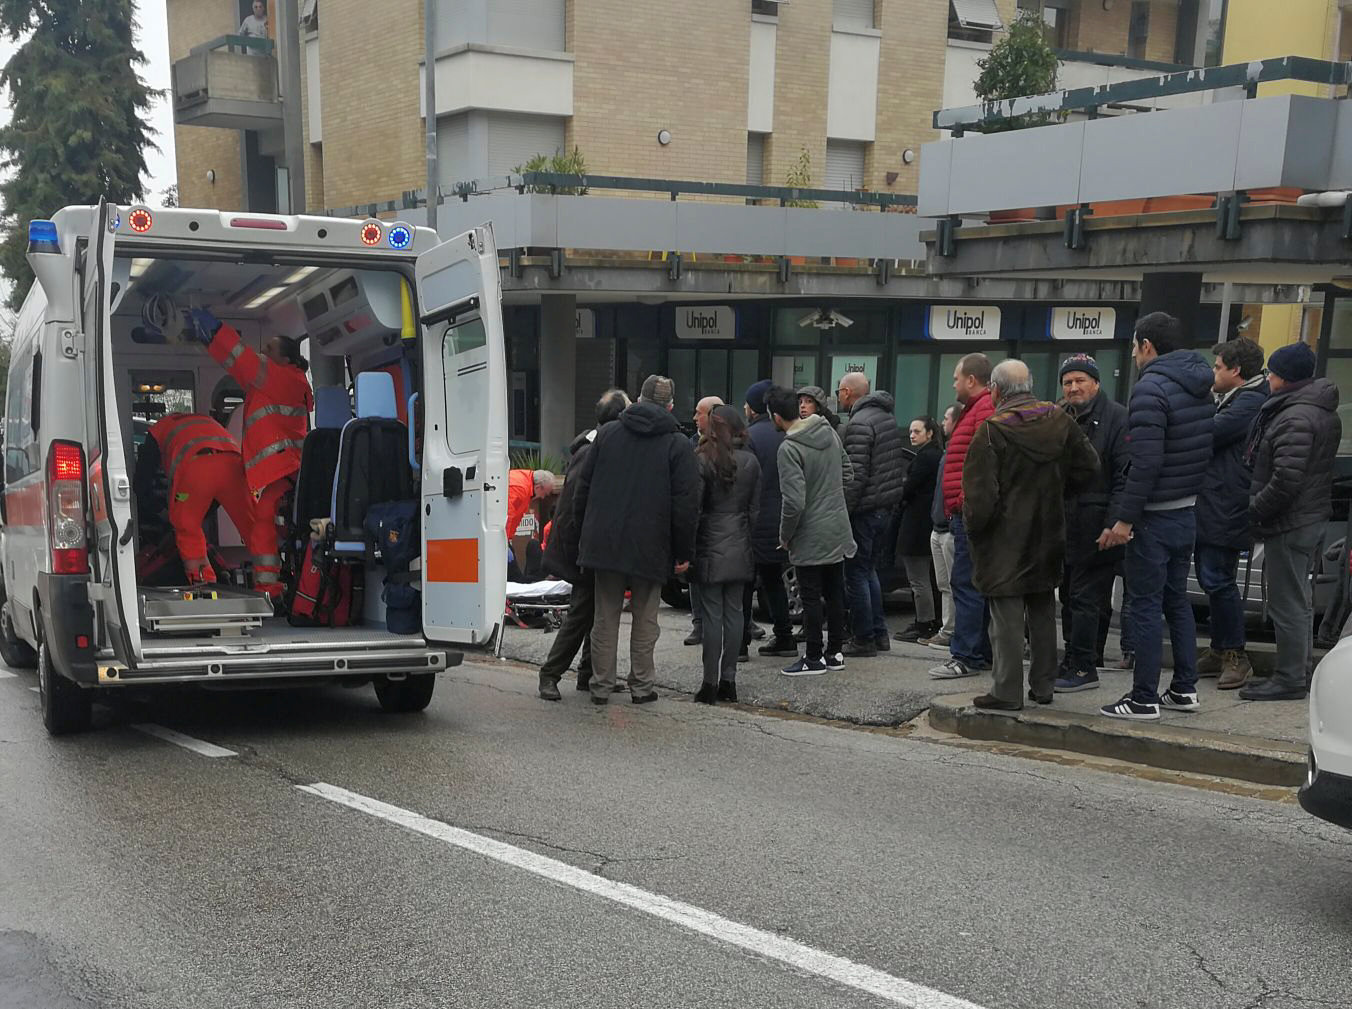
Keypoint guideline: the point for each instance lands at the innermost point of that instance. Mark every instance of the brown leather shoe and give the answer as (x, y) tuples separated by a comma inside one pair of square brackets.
[(1235, 670), (1210, 663)]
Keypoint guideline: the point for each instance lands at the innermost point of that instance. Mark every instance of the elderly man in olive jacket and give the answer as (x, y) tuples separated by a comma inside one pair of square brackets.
[(1019, 467)]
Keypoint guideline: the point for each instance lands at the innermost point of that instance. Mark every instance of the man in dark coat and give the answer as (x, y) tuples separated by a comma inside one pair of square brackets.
[(1223, 507), (763, 440), (873, 443), (1087, 588), (1019, 466), (561, 562), (1292, 451), (638, 507), (1169, 433)]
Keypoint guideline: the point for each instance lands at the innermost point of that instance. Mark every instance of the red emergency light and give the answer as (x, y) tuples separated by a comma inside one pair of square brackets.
[(371, 233), (139, 220)]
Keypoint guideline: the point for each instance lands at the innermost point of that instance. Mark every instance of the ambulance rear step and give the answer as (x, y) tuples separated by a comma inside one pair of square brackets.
[(215, 609)]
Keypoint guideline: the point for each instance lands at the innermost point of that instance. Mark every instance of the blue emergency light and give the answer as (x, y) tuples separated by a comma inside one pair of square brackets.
[(42, 237), (400, 236)]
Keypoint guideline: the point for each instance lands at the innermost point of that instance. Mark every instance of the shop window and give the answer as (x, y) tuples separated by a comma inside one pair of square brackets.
[(793, 371), (912, 387), (789, 331)]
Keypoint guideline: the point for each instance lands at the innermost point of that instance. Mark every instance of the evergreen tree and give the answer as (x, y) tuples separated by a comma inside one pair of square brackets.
[(77, 131), (1020, 64)]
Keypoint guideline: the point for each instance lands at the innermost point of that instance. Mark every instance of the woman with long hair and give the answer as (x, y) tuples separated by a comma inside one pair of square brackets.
[(941, 542), (913, 540), (724, 561)]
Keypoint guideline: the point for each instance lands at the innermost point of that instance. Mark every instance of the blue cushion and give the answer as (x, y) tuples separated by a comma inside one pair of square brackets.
[(332, 408), (375, 395)]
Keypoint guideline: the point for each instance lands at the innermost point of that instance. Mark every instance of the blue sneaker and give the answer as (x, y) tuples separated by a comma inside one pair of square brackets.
[(1071, 683)]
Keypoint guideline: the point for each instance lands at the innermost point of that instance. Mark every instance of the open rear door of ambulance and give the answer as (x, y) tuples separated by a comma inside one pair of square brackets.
[(464, 464), (110, 468)]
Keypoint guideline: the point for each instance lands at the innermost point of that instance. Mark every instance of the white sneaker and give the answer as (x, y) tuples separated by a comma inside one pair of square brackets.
[(835, 662), (953, 669)]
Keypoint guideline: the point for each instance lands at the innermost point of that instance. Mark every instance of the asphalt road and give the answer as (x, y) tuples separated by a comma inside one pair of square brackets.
[(871, 870)]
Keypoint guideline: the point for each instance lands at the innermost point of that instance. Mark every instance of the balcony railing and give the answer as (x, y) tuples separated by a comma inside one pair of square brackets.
[(229, 82)]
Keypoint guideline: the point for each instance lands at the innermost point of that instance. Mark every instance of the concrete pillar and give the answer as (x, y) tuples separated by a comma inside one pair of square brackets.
[(1179, 294), (558, 372)]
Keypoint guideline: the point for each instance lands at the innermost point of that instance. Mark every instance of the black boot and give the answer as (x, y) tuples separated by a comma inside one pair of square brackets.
[(727, 691), (707, 694), (584, 679), (549, 688)]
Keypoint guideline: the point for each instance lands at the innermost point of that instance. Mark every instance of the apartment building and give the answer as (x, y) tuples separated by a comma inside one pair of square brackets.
[(735, 91)]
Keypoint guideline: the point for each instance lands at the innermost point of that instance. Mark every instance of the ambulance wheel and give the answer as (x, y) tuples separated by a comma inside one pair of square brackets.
[(65, 707), (413, 693), (14, 651)]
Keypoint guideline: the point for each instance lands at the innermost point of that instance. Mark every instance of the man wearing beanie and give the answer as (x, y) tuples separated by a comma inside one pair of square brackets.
[(1291, 450), (1087, 587), (764, 439)]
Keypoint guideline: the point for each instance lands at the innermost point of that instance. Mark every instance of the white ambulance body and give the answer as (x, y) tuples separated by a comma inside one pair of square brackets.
[(398, 327)]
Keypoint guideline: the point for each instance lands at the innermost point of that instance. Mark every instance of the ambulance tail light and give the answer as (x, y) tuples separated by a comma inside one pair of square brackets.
[(66, 509)]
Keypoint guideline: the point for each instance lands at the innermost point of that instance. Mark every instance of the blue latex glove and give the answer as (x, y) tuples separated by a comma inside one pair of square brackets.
[(203, 323)]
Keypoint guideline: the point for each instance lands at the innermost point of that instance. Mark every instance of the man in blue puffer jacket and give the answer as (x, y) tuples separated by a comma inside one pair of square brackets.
[(1169, 434)]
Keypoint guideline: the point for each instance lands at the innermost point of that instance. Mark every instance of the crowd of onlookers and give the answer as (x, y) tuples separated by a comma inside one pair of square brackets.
[(991, 511)]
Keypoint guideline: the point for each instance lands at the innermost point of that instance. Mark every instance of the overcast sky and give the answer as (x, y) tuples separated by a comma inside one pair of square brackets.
[(153, 40)]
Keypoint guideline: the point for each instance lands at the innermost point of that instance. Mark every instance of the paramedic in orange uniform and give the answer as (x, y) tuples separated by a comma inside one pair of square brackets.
[(277, 405), (523, 487), (203, 465)]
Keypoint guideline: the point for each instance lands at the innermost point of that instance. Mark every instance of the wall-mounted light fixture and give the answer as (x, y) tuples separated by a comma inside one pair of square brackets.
[(664, 137), (907, 156), (211, 176)]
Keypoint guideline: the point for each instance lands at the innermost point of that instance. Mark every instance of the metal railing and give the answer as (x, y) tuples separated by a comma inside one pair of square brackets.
[(1247, 76), (260, 47), (556, 183)]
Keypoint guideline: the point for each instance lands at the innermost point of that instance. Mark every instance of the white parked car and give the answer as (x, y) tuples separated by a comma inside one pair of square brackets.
[(1327, 792)]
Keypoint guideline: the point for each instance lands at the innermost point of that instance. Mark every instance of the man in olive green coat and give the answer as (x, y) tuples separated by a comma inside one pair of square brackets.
[(1022, 463), (814, 526)]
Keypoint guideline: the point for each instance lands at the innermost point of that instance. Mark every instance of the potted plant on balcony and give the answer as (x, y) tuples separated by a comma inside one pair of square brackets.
[(1020, 64), (799, 176)]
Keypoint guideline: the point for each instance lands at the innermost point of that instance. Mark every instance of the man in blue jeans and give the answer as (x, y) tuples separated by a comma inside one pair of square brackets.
[(1169, 422), (970, 649), (1241, 388), (873, 443)]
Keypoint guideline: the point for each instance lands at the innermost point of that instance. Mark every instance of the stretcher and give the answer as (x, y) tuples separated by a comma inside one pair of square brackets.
[(547, 600)]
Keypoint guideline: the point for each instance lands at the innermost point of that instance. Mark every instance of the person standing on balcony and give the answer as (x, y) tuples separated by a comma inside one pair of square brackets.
[(1292, 451), (1222, 508), (873, 443), (255, 25)]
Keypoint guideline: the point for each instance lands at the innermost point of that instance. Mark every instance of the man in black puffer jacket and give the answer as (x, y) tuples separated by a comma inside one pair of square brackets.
[(637, 509), (1292, 450), (1169, 435), (873, 442), (561, 561), (763, 440)]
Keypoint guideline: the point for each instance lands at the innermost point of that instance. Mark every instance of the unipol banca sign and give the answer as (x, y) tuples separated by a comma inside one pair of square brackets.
[(1082, 324), (706, 322), (964, 322)]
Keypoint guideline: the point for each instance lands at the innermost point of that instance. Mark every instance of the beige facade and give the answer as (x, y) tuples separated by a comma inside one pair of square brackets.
[(632, 68)]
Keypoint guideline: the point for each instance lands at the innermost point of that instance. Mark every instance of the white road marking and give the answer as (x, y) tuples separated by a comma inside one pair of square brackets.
[(799, 956), (187, 742), (5, 674), (36, 690)]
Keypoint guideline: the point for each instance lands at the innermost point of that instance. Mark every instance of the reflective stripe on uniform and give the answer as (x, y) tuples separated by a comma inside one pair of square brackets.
[(232, 355), (260, 378), (276, 448), (275, 409), (267, 560), (266, 577), (185, 451)]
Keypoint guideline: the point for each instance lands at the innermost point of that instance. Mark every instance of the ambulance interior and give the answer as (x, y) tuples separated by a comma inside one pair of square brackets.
[(356, 327)]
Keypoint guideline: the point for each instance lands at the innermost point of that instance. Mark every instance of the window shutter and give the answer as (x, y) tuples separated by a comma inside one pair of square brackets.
[(529, 24), (980, 14), (755, 159), (853, 14), (844, 164), (515, 139)]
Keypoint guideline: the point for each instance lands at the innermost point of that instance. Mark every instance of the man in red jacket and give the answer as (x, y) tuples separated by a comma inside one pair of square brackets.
[(970, 649)]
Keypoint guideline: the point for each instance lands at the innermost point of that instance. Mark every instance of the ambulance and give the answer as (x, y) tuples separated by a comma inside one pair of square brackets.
[(404, 337)]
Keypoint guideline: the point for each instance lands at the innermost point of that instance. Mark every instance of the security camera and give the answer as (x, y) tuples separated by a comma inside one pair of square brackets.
[(825, 318)]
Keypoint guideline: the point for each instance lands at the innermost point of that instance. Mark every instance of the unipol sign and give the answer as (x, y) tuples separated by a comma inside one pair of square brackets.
[(1082, 323), (706, 322), (964, 322)]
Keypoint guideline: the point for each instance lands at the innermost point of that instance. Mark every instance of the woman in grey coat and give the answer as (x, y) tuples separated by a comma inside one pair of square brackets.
[(724, 560)]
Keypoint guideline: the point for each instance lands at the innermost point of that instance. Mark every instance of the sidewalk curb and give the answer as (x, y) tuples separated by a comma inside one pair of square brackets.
[(1228, 755)]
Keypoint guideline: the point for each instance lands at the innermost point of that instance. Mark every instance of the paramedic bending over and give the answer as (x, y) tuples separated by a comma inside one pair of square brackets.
[(277, 405)]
